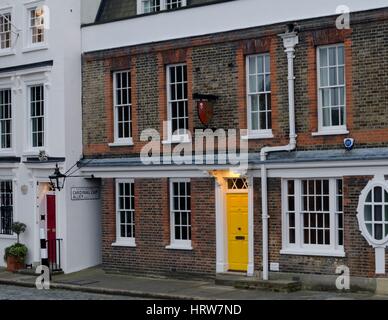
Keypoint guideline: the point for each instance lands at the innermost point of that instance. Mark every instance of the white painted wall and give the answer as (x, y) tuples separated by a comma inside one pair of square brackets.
[(77, 223), (210, 19)]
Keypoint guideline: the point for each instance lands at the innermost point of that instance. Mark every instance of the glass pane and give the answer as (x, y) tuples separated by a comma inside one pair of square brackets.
[(252, 65), (333, 76), (378, 213), (291, 204), (267, 63), (369, 197), (323, 57), (260, 64), (254, 103), (324, 77), (292, 235), (378, 194), (378, 231), (368, 213), (369, 228), (341, 75), (341, 55), (291, 187), (252, 84), (291, 222), (332, 56), (326, 117)]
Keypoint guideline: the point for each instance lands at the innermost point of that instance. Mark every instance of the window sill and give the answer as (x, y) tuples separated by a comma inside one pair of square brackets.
[(35, 48), (125, 243), (8, 237), (177, 139), (34, 152), (330, 133), (316, 253), (126, 143), (7, 153), (258, 135), (179, 247), (6, 52)]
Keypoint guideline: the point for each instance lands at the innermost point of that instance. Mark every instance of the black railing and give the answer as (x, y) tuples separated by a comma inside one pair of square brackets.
[(6, 220), (54, 254)]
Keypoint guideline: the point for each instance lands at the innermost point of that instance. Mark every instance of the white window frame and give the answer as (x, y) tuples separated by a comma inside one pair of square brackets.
[(8, 50), (174, 243), (13, 206), (2, 150), (28, 44), (173, 137), (123, 241), (256, 133), (299, 248), (330, 130), (163, 6), (128, 141), (45, 122)]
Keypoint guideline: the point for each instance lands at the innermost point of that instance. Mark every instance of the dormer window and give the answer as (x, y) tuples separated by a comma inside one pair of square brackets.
[(148, 6)]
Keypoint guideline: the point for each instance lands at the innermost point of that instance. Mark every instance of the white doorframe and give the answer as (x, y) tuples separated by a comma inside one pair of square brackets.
[(222, 227)]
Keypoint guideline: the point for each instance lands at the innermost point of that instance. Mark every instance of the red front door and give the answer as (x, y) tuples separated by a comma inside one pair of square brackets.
[(51, 229)]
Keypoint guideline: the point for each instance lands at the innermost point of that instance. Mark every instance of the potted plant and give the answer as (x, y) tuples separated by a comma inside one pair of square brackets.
[(15, 255)]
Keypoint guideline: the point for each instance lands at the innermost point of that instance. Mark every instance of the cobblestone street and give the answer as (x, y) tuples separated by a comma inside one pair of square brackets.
[(23, 293)]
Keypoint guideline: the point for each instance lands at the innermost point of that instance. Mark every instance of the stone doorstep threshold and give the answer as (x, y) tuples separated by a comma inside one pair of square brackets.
[(253, 283), (114, 292)]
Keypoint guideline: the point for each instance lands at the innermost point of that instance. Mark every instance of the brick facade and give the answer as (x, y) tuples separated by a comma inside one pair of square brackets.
[(216, 65), (153, 231)]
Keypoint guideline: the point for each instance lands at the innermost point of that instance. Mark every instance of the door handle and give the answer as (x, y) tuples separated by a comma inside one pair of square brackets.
[(240, 238)]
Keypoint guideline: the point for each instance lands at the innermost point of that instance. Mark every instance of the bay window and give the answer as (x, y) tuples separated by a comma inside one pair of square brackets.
[(313, 217)]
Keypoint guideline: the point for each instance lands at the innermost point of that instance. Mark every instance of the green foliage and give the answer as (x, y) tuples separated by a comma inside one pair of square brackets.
[(18, 228), (18, 251)]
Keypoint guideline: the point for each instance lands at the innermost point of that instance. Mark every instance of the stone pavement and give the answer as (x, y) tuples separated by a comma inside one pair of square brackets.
[(96, 281)]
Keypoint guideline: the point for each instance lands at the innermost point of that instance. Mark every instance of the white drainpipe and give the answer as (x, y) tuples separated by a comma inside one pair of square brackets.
[(290, 40)]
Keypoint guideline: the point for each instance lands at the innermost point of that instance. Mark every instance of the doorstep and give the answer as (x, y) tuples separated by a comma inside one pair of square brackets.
[(240, 281)]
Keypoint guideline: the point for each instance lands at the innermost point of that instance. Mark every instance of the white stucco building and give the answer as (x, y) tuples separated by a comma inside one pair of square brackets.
[(40, 125)]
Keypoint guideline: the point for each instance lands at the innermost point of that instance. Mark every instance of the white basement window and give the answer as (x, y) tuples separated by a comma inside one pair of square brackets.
[(313, 217)]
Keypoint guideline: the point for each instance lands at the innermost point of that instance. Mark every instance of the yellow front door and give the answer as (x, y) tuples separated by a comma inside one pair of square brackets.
[(237, 212)]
